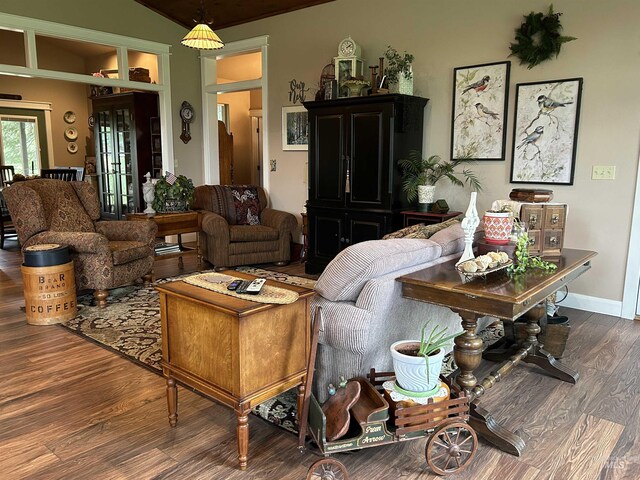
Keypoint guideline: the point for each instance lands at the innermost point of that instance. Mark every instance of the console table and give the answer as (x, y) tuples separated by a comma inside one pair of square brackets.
[(506, 298), (236, 351)]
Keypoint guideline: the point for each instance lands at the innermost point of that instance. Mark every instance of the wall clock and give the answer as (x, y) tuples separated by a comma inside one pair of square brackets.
[(186, 115)]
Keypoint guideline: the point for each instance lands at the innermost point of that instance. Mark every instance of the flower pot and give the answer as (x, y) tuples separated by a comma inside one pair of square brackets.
[(497, 227), (426, 197), (405, 85), (411, 370)]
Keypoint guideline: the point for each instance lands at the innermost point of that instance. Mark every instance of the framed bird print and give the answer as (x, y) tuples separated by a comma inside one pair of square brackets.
[(479, 117), (545, 131)]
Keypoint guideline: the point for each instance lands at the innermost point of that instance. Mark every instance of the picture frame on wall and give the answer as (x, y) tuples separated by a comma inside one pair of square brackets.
[(545, 131), (295, 128), (479, 113)]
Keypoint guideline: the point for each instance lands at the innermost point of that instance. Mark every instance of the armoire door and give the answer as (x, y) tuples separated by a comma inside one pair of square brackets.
[(368, 156), (327, 148)]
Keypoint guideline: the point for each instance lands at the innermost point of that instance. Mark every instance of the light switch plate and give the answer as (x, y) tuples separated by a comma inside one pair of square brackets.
[(603, 172)]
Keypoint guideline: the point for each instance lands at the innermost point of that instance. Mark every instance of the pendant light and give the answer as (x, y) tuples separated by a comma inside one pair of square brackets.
[(202, 37)]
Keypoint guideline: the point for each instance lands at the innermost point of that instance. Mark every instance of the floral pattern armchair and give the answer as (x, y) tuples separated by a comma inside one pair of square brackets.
[(106, 254)]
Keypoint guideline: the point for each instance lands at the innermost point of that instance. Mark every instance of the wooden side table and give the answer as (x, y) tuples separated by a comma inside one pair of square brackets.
[(236, 351), (175, 224), (428, 218)]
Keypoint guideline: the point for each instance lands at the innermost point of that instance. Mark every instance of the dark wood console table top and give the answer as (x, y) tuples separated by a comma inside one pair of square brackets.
[(501, 296)]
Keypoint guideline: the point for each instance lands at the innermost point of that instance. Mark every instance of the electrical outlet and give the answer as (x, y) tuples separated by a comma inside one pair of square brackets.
[(273, 164), (603, 172)]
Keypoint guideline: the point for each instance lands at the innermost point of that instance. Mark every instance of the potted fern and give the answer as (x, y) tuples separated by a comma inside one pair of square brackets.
[(420, 175), (417, 363)]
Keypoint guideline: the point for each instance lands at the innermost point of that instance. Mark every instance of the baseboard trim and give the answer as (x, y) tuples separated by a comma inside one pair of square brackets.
[(593, 304)]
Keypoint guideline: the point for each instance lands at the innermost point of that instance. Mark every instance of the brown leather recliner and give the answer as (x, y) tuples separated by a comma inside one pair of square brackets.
[(239, 229), (106, 254)]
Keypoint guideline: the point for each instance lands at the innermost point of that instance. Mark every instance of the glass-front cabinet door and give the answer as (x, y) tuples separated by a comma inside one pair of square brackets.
[(124, 150)]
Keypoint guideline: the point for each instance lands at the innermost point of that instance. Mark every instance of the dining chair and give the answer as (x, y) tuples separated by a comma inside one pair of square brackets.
[(6, 175), (66, 174)]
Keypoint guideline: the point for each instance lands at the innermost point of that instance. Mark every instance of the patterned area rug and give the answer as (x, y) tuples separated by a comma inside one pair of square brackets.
[(130, 326)]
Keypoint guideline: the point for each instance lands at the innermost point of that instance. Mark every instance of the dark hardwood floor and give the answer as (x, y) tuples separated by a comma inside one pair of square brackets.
[(70, 409)]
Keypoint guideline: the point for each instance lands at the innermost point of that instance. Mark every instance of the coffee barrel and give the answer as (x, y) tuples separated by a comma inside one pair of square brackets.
[(49, 284)]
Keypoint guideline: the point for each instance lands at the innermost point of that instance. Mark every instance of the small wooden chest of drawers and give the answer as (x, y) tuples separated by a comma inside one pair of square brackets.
[(545, 222)]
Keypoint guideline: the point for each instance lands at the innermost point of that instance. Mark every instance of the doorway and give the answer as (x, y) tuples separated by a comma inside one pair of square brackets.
[(236, 76)]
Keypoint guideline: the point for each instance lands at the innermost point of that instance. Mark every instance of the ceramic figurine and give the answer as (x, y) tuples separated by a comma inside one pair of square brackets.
[(469, 224), (331, 389)]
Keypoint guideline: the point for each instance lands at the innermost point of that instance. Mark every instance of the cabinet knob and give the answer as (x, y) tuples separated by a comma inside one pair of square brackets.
[(553, 241), (532, 240), (533, 219), (342, 239), (555, 218), (346, 240)]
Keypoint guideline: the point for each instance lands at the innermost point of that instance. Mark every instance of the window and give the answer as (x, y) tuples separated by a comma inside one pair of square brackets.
[(19, 144), (223, 115)]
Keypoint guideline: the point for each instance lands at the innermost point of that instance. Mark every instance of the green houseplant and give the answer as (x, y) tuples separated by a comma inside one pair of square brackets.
[(176, 197), (418, 173), (417, 364), (398, 71)]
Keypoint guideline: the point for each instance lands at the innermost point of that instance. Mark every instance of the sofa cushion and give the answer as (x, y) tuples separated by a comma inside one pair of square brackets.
[(128, 251), (354, 266), (423, 231), (252, 233), (451, 239)]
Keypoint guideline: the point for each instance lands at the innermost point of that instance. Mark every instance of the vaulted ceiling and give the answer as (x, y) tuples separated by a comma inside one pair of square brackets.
[(225, 13)]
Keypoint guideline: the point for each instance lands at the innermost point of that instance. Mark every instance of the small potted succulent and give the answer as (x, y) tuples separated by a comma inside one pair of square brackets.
[(417, 363), (173, 194)]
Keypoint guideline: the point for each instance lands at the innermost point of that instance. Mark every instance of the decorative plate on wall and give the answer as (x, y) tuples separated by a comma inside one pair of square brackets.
[(71, 133), (69, 116), (72, 147)]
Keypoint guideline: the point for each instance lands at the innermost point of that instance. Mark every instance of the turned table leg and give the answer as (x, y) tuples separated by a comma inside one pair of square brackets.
[(300, 400), (242, 435), (172, 401), (539, 356), (467, 352)]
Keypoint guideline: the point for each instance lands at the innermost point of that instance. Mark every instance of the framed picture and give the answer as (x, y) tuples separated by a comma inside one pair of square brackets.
[(295, 128), (479, 117), (545, 131)]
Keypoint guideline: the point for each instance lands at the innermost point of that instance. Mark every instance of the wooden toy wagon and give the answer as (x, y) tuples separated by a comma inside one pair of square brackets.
[(377, 419)]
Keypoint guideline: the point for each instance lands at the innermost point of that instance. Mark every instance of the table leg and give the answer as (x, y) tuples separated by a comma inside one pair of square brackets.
[(538, 355), (242, 435), (467, 351), (300, 399), (172, 401), (486, 426)]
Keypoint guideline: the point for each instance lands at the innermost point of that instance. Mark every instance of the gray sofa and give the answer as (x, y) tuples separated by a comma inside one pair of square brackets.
[(363, 311)]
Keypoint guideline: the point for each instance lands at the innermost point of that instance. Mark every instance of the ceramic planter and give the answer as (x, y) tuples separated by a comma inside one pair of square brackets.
[(411, 371), (497, 227), (426, 197)]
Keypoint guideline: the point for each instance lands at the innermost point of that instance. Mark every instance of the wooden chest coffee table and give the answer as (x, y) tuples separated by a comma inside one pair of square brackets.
[(236, 351)]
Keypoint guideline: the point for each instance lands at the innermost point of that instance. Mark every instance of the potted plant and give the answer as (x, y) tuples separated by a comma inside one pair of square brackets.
[(398, 71), (417, 364), (498, 225), (173, 197), (420, 176)]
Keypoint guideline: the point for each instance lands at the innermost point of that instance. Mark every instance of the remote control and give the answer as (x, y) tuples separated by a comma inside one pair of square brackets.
[(234, 285), (242, 288), (255, 286)]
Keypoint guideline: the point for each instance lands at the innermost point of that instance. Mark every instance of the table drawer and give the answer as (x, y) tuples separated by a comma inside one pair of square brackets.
[(552, 242), (532, 216), (535, 241)]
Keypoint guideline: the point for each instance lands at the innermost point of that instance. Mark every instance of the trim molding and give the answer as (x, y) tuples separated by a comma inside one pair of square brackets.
[(593, 304)]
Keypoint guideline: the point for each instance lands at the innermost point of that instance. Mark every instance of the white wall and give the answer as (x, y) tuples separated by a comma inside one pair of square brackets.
[(445, 35)]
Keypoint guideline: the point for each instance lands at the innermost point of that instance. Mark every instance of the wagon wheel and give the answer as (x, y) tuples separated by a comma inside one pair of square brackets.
[(451, 448), (327, 469)]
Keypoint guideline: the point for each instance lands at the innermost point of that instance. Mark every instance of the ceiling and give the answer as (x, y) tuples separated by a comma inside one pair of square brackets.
[(225, 13)]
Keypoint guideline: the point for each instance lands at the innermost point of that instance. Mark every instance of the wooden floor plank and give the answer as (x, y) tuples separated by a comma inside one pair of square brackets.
[(71, 409)]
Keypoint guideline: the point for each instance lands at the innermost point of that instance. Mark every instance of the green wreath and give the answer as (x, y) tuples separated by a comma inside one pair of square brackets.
[(538, 38)]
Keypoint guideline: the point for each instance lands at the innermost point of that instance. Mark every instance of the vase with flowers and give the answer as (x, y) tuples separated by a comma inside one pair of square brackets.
[(398, 71)]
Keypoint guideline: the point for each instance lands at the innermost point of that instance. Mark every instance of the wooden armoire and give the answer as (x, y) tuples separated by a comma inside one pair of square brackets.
[(355, 184)]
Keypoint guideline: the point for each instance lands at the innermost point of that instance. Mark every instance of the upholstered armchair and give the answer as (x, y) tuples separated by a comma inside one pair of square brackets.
[(106, 254), (239, 229)]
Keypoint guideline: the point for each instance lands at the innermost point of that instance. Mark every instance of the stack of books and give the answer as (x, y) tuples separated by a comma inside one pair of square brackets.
[(163, 248)]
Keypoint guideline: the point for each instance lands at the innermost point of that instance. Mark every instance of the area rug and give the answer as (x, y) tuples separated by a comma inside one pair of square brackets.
[(130, 326)]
